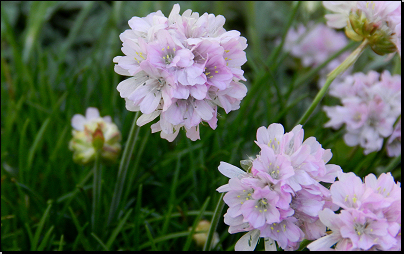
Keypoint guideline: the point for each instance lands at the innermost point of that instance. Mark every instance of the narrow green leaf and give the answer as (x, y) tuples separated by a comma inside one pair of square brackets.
[(138, 206), (118, 229), (40, 227), (197, 219), (165, 238), (149, 235), (99, 241), (45, 239), (214, 222), (30, 235), (22, 151), (38, 138), (61, 243), (80, 231)]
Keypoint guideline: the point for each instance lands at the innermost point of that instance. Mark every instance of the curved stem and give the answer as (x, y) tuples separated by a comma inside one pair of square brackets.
[(351, 59), (214, 222), (123, 169)]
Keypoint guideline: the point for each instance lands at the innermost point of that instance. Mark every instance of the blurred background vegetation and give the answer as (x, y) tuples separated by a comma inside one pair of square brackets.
[(56, 60)]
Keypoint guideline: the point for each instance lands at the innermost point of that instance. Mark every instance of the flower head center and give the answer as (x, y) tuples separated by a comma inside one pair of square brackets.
[(168, 54), (209, 72)]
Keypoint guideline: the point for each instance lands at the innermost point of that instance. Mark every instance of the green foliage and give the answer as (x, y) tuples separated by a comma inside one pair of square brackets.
[(56, 60)]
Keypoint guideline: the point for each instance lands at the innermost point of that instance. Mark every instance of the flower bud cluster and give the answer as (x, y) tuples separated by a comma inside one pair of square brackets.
[(93, 133), (182, 68), (379, 22), (280, 195), (371, 104), (371, 215)]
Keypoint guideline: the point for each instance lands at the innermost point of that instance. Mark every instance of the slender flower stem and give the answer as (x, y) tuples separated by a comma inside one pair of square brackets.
[(95, 222), (214, 222), (123, 168), (351, 59), (315, 70)]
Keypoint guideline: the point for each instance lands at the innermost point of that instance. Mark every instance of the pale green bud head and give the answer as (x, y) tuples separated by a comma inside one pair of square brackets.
[(97, 135), (377, 32)]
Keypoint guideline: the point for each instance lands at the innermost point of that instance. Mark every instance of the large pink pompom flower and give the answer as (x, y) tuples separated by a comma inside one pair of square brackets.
[(183, 68)]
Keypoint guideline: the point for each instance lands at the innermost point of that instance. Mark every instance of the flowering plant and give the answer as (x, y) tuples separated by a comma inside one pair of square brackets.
[(280, 195), (92, 133), (371, 104), (371, 215), (182, 68)]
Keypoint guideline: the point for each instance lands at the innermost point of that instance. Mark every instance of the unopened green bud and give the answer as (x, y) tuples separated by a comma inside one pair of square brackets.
[(377, 34), (98, 138)]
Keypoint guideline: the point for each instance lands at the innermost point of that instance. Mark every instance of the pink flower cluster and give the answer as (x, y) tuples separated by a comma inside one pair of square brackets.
[(279, 196), (371, 215), (370, 106), (182, 68), (315, 45)]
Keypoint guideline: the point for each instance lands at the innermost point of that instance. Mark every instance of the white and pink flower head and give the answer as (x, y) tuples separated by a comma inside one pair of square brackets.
[(93, 133), (280, 195), (371, 215), (182, 69), (379, 22)]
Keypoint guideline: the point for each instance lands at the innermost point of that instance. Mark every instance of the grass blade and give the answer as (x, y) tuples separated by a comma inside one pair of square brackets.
[(38, 138), (149, 235), (99, 241), (40, 227), (45, 239), (118, 229), (197, 219), (61, 243), (165, 238), (214, 222)]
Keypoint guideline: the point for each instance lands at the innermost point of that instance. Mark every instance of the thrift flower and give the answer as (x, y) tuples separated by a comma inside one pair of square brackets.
[(379, 22), (371, 215), (92, 133), (279, 196), (371, 104), (181, 68)]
